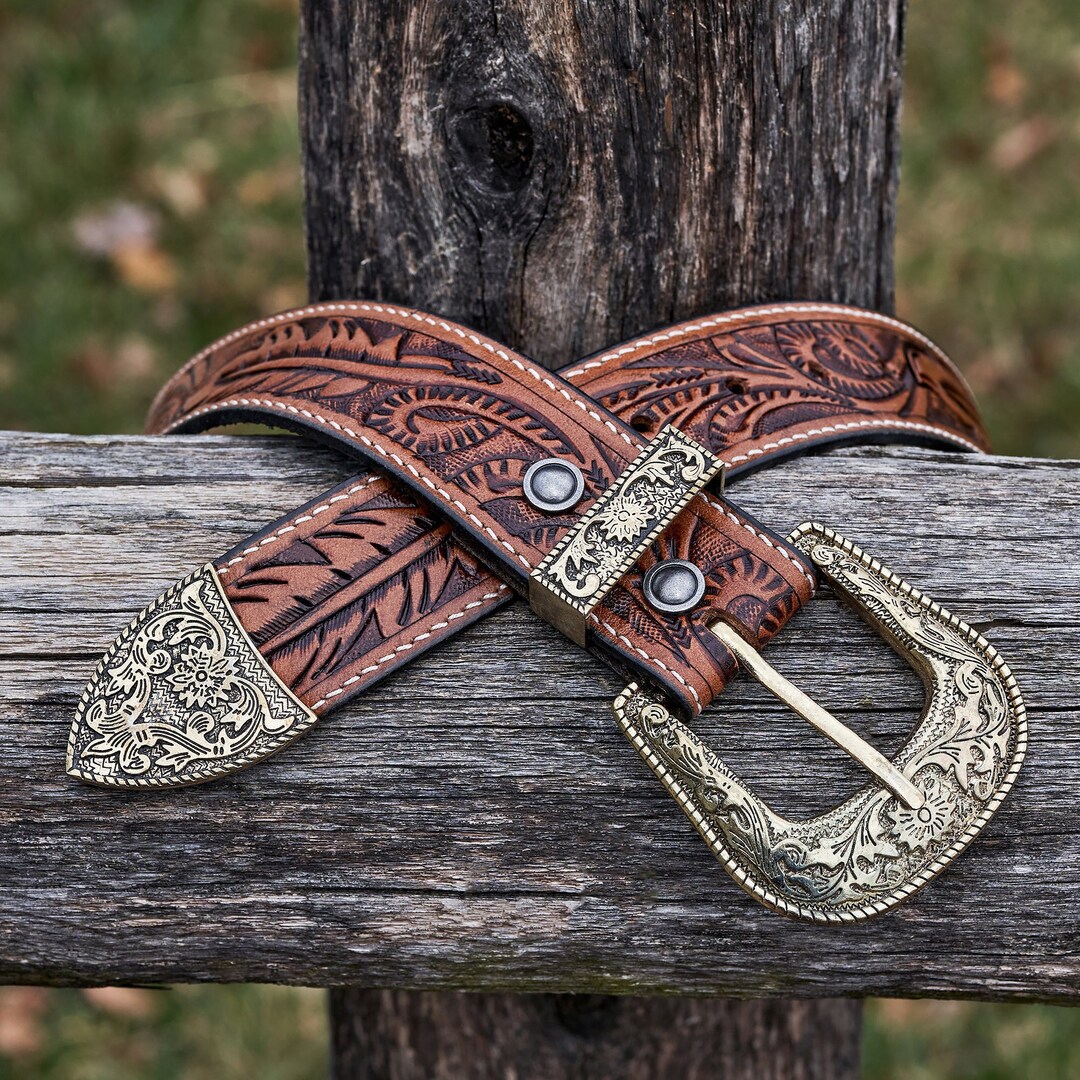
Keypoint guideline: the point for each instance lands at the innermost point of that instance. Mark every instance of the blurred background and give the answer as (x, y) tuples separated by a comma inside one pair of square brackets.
[(150, 200)]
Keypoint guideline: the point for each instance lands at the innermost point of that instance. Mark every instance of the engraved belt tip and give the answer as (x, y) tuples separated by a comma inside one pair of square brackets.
[(182, 696)]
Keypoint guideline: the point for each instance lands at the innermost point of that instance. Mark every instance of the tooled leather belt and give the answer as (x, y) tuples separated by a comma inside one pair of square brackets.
[(597, 493)]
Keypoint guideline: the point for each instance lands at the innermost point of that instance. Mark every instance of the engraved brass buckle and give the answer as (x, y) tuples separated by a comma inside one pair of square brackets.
[(889, 839)]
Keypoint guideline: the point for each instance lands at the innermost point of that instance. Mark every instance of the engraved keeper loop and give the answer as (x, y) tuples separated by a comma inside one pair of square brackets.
[(618, 528)]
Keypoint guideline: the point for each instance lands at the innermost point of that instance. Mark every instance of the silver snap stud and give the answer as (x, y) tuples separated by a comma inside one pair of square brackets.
[(553, 484), (674, 586)]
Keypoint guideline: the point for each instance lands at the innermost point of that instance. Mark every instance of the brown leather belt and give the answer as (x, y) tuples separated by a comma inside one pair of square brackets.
[(595, 492)]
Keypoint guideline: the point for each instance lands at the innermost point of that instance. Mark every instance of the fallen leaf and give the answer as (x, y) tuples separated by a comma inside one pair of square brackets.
[(126, 234), (126, 1001), (1005, 82), (183, 190), (135, 359), (121, 224), (21, 1012), (1024, 142), (145, 267)]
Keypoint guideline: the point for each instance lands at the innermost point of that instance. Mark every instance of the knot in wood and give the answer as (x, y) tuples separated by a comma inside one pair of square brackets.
[(496, 143)]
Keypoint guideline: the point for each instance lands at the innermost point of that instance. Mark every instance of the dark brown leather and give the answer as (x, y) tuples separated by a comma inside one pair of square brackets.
[(459, 419), (332, 612), (355, 583)]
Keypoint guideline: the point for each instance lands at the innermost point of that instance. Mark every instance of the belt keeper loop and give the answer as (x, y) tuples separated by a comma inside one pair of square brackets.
[(591, 559)]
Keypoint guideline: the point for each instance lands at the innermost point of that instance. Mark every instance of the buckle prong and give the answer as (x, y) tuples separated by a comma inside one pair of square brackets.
[(891, 837), (806, 707)]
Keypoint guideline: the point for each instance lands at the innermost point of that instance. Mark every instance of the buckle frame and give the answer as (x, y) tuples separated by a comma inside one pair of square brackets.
[(877, 848)]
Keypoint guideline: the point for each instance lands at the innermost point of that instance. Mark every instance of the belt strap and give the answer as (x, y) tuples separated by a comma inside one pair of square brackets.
[(386, 565), (590, 491)]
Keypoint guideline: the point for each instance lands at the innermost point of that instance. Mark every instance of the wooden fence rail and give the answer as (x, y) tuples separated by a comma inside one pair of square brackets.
[(497, 832)]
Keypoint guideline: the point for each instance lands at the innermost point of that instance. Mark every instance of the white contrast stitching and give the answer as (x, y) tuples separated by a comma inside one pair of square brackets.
[(576, 401), (720, 508), (828, 429), (747, 313), (415, 316), (346, 307), (641, 652), (342, 307), (680, 331), (348, 431), (291, 527), (408, 645), (274, 404)]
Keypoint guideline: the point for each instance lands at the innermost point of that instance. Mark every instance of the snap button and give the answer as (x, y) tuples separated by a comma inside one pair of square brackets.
[(674, 586), (553, 484)]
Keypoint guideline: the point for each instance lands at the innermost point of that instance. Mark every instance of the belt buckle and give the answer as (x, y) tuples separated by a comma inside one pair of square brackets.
[(924, 807)]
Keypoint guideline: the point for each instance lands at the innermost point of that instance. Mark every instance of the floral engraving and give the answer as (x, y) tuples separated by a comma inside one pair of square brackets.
[(916, 828), (872, 851), (201, 677), (181, 696), (625, 519), (589, 561)]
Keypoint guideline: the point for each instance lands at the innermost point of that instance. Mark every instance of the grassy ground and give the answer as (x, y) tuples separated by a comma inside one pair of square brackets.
[(187, 1033), (149, 195), (150, 200), (988, 243)]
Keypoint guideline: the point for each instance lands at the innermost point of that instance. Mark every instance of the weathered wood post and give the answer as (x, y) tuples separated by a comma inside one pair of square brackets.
[(564, 176)]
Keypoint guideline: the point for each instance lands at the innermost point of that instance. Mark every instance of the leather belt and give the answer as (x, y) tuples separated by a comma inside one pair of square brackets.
[(595, 492)]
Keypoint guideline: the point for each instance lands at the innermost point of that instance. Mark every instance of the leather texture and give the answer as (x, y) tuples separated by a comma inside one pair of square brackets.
[(351, 586), (459, 419), (342, 591), (759, 384)]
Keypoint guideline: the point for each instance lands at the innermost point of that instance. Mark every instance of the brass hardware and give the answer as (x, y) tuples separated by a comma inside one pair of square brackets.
[(873, 760), (182, 696), (611, 536), (878, 847)]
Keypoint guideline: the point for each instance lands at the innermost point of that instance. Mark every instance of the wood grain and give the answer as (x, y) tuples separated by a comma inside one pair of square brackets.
[(404, 1034), (477, 822), (563, 176)]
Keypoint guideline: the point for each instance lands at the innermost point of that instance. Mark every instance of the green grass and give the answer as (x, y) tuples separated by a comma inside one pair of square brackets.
[(183, 111), (178, 119), (988, 244), (955, 1040), (188, 1033)]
